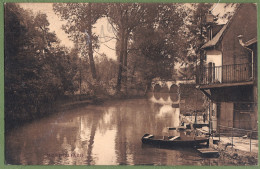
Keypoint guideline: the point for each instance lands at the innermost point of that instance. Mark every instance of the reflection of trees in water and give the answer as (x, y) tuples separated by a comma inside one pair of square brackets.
[(129, 121), (146, 123), (84, 129), (133, 118), (46, 136), (80, 131), (107, 120), (94, 124), (121, 135)]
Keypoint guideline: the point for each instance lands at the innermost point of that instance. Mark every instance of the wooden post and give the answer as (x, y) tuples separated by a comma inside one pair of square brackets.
[(232, 136), (218, 133), (250, 139), (209, 116)]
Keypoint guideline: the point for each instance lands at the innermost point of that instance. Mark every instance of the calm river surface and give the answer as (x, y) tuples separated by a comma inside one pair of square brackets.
[(108, 134)]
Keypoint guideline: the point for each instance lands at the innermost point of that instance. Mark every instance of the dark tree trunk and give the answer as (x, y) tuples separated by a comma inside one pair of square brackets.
[(133, 73), (201, 66), (148, 86), (89, 41), (125, 64), (120, 65)]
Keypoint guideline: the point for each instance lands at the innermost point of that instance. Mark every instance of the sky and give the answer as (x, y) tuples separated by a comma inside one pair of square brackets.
[(101, 28)]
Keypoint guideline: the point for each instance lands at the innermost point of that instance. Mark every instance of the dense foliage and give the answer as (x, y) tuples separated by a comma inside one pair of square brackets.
[(37, 68)]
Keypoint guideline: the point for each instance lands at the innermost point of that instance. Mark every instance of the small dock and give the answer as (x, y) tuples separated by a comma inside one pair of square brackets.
[(208, 152)]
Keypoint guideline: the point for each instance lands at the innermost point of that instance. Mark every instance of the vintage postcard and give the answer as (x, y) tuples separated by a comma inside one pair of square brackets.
[(163, 84)]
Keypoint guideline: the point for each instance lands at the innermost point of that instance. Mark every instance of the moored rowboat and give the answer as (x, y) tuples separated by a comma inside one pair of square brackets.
[(187, 141)]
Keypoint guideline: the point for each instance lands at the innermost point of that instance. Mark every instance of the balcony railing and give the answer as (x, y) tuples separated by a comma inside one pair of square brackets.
[(226, 74)]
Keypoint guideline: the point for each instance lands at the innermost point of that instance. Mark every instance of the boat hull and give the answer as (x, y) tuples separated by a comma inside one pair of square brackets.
[(187, 142)]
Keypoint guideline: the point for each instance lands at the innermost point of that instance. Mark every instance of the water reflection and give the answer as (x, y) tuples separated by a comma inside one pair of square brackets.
[(167, 112), (109, 134), (164, 98)]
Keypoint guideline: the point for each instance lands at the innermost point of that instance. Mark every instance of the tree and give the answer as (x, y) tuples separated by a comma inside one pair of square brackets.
[(37, 69), (22, 66), (127, 17), (157, 44), (80, 18), (198, 32), (107, 71)]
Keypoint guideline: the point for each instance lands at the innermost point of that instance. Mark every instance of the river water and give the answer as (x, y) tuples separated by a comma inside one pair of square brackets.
[(107, 134)]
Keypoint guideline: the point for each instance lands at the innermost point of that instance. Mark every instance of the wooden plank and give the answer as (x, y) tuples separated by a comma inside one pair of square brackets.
[(177, 128), (174, 138), (149, 136), (209, 151)]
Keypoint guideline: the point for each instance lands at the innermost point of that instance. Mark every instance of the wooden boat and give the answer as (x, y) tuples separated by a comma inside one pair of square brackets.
[(187, 141)]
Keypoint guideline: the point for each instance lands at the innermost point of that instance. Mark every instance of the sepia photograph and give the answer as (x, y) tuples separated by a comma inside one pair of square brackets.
[(143, 84)]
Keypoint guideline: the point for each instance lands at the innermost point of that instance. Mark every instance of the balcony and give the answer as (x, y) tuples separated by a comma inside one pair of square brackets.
[(236, 73)]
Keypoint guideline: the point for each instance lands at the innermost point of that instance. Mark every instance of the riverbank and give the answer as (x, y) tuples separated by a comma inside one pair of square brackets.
[(240, 153)]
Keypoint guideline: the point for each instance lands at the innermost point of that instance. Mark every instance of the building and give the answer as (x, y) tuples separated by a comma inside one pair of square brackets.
[(229, 75)]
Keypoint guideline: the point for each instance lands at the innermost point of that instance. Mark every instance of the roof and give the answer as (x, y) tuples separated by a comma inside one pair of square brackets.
[(220, 34), (216, 29), (216, 38)]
